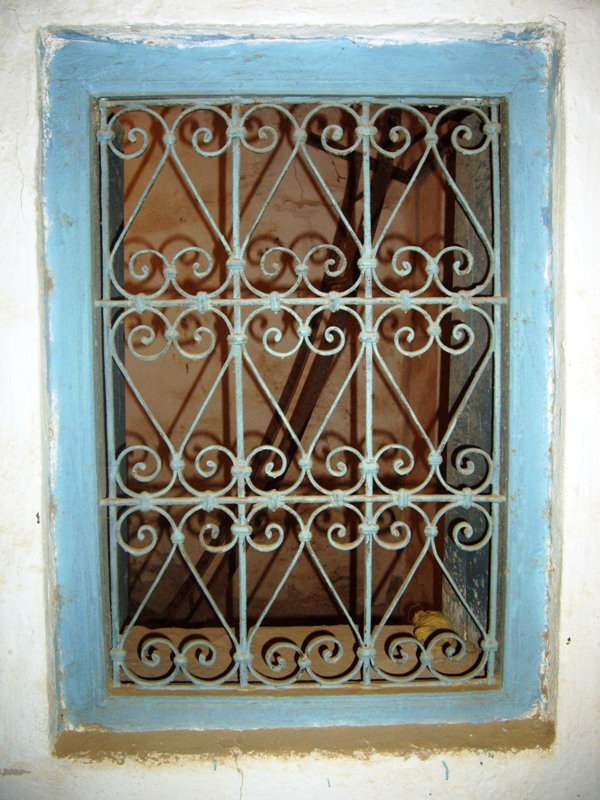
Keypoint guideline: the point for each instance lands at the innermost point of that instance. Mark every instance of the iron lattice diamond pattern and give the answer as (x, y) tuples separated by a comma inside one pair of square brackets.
[(301, 313)]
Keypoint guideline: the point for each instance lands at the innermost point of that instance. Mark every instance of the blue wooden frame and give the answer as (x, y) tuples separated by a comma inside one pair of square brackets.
[(77, 69)]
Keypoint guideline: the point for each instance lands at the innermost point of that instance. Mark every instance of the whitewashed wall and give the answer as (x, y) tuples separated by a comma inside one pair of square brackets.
[(570, 769)]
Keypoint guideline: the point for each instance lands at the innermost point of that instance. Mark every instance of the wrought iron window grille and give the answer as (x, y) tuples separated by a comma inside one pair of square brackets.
[(361, 330)]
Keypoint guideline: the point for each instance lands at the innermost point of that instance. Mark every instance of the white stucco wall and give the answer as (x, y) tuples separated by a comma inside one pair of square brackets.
[(570, 769)]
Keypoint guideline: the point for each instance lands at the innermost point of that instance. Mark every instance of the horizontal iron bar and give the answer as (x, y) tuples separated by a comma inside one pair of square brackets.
[(352, 100), (303, 301), (377, 684), (294, 499)]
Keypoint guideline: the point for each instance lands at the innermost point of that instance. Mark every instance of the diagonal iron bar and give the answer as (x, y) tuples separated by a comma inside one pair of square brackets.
[(384, 172)]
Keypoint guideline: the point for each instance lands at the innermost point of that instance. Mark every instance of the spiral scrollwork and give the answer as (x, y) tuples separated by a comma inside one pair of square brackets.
[(266, 133), (462, 335), (325, 649), (206, 464), (464, 531), (401, 534), (398, 134), (136, 135), (402, 465), (333, 132), (332, 335), (146, 533), (475, 465), (403, 267), (200, 261), (464, 137), (462, 263), (397, 652), (337, 464), (209, 534), (274, 467), (143, 334), (453, 662), (197, 652), (140, 470), (203, 135), (202, 335), (273, 532), (205, 653), (274, 335), (139, 269), (401, 652), (271, 269), (334, 264), (149, 651), (447, 643), (337, 533), (278, 664), (145, 469), (407, 333)]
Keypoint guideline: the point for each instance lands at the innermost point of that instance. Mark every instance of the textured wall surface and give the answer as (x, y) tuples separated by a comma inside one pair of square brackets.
[(569, 769)]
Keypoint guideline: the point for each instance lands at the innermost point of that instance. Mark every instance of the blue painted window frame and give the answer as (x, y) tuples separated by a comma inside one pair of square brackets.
[(78, 69)]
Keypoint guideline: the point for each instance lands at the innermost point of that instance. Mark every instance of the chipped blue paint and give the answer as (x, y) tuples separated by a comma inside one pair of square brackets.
[(78, 69), (545, 215)]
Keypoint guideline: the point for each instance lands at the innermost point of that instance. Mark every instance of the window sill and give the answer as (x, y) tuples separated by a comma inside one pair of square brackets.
[(397, 740)]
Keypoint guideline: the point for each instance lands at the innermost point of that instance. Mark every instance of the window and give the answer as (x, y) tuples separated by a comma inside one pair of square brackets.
[(314, 426)]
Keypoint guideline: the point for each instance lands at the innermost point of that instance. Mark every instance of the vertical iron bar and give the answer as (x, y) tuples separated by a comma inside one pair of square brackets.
[(235, 133), (366, 257), (497, 289), (107, 312)]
